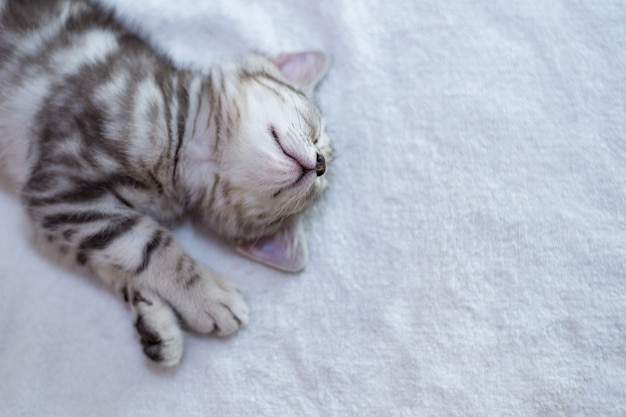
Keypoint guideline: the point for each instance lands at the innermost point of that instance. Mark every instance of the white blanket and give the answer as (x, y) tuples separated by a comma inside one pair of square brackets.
[(468, 259)]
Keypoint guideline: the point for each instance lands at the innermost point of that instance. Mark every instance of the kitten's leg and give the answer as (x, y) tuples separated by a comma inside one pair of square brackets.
[(157, 327), (150, 259), (127, 249)]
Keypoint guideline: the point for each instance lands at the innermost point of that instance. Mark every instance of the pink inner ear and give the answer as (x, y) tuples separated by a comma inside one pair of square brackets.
[(304, 70), (286, 250)]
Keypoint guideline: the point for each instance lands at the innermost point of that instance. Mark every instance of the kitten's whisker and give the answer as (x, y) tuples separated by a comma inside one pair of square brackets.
[(297, 112)]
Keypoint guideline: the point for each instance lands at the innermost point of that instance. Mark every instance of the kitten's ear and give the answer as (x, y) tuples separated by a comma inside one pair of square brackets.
[(285, 250), (305, 69)]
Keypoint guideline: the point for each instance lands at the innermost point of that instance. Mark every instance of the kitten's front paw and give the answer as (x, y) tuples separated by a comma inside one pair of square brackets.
[(210, 304), (158, 329)]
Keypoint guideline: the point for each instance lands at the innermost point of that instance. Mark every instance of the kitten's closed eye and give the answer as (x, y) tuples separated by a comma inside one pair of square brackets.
[(273, 132), (297, 155)]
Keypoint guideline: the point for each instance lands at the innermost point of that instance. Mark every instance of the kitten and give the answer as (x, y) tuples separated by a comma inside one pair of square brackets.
[(108, 141)]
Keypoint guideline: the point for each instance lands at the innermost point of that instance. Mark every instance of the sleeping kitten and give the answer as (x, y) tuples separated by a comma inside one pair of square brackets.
[(107, 141)]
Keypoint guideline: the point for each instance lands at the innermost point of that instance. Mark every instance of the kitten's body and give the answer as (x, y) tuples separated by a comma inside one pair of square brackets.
[(107, 140)]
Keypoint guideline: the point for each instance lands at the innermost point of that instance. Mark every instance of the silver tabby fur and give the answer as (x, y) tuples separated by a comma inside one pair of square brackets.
[(108, 141)]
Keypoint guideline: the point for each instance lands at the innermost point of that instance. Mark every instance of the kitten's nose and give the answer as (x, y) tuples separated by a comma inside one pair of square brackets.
[(320, 164)]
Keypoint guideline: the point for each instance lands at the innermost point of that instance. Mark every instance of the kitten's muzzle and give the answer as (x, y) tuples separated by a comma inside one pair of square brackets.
[(320, 165)]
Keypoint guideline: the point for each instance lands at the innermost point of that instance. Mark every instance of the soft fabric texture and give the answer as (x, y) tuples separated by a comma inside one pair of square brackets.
[(468, 258)]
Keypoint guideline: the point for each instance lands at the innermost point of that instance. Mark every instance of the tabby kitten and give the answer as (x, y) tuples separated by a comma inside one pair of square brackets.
[(108, 141)]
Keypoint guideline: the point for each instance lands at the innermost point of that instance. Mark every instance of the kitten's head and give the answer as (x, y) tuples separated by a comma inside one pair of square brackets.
[(268, 155)]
